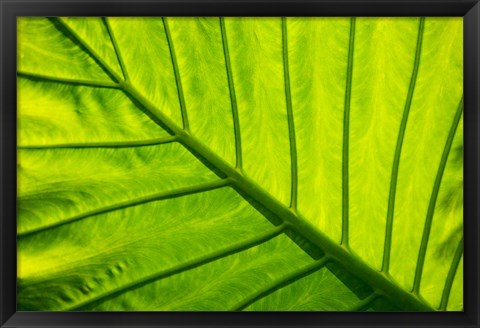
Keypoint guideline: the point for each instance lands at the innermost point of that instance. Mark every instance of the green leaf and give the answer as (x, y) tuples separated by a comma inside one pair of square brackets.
[(256, 164)]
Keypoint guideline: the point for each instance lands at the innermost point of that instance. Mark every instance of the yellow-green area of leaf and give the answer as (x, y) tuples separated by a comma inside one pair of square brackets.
[(254, 164)]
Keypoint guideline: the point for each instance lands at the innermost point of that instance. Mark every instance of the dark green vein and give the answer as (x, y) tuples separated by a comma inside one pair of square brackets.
[(248, 187), (433, 199), (103, 144), (299, 224), (128, 203), (346, 128), (398, 150), (291, 125), (364, 304), (451, 275), (56, 79), (281, 282), (176, 72), (233, 98), (189, 265), (70, 33), (116, 48)]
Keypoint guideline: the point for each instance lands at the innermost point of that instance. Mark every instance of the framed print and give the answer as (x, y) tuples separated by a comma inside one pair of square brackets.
[(228, 163)]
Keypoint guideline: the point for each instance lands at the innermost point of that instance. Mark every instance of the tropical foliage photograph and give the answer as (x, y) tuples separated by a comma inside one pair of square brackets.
[(240, 164)]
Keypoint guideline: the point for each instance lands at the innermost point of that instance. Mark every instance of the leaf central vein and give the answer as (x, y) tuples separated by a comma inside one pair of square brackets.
[(248, 188)]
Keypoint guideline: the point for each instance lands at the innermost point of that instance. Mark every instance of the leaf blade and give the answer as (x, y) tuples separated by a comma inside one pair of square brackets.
[(267, 191)]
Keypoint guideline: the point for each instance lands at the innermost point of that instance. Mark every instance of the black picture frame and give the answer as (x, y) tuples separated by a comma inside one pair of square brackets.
[(10, 9)]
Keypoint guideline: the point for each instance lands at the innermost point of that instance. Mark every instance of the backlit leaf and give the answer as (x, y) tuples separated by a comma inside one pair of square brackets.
[(255, 164)]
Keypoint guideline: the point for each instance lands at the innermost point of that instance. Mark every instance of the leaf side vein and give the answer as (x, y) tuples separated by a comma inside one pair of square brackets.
[(451, 275), (194, 263), (129, 203), (233, 98), (291, 124), (282, 282), (116, 48), (111, 144), (364, 304), (56, 79), (176, 71), (398, 150), (433, 199), (346, 127)]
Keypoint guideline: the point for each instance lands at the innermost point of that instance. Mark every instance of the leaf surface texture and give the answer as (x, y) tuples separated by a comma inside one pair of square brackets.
[(256, 164)]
